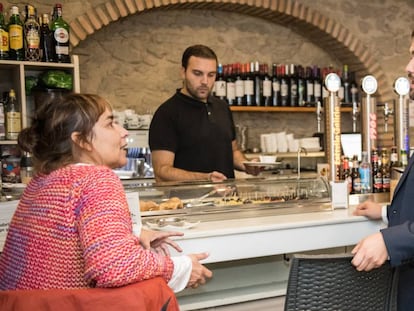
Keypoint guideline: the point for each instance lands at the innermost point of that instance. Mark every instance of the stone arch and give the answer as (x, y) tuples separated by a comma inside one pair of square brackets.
[(323, 31)]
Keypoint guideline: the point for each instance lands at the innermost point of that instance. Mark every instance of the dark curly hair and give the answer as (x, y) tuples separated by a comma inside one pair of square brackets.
[(48, 137)]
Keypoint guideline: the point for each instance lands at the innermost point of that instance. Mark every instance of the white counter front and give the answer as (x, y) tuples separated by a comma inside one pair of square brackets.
[(248, 256)]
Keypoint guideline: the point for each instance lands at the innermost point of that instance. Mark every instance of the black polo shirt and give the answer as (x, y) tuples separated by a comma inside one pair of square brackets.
[(199, 134)]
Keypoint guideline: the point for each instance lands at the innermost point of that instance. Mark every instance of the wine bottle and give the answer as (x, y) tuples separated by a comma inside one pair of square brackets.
[(16, 49), (239, 84), (258, 85), (317, 84), (46, 40), (230, 85), (13, 117), (346, 84), (220, 84), (301, 86), (248, 86), (284, 86), (4, 36), (60, 30), (266, 86), (293, 82), (310, 98), (275, 86), (31, 36)]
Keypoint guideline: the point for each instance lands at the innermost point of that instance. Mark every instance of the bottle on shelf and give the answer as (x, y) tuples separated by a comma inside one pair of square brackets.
[(365, 173), (4, 36), (355, 176), (284, 86), (46, 40), (404, 158), (275, 86), (230, 85), (239, 84), (310, 98), (376, 172), (248, 86), (2, 118), (13, 117), (31, 36), (266, 87), (346, 173), (346, 85), (385, 171), (26, 167), (220, 84), (301, 86), (60, 30), (394, 158), (317, 85), (16, 46), (258, 85), (293, 83)]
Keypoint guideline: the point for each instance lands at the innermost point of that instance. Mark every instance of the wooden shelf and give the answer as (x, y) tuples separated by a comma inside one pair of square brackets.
[(279, 109)]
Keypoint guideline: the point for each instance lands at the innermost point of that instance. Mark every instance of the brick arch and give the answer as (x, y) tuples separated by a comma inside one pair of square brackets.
[(322, 30)]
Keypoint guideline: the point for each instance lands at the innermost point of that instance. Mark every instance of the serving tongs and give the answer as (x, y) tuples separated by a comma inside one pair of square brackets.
[(200, 200)]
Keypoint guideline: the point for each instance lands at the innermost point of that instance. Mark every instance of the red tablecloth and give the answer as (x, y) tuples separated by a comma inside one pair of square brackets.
[(149, 295)]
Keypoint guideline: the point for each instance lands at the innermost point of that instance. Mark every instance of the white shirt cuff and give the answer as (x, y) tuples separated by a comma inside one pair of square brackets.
[(384, 214), (181, 274)]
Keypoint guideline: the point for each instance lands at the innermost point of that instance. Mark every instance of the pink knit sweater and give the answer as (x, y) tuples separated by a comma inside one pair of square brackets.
[(72, 229)]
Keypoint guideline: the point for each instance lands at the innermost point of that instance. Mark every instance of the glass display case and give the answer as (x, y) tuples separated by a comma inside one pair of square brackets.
[(181, 204)]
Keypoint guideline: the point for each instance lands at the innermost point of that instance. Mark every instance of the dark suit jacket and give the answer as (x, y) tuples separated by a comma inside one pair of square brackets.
[(399, 236)]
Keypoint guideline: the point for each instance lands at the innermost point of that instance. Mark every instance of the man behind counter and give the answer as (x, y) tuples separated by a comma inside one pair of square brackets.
[(192, 134)]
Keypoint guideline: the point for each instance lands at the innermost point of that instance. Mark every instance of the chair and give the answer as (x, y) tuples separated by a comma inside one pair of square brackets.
[(149, 295), (331, 283)]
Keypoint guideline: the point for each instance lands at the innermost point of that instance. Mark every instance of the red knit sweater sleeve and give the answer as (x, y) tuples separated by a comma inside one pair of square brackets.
[(113, 255)]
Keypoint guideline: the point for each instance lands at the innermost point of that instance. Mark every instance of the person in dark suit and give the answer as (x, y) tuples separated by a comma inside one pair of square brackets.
[(396, 242)]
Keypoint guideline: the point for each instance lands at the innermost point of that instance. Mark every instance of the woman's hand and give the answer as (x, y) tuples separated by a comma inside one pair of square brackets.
[(370, 209), (159, 241), (199, 273)]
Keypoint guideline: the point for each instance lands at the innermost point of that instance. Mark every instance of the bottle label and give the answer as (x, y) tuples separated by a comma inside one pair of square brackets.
[(248, 87), (239, 88), (220, 87), (16, 37), (33, 39), (284, 89), (267, 88), (365, 174), (231, 91), (61, 35), (4, 41), (13, 122), (276, 86), (356, 185)]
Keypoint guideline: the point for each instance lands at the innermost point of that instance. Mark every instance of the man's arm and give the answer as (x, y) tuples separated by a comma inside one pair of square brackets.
[(239, 158), (164, 170)]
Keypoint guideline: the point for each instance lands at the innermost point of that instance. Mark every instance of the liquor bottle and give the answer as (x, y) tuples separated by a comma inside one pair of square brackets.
[(239, 84), (258, 84), (346, 174), (301, 87), (267, 87), (376, 172), (293, 83), (4, 36), (404, 158), (365, 173), (355, 176), (284, 86), (220, 84), (385, 171), (13, 117), (31, 36), (248, 86), (46, 40), (230, 85), (60, 30), (275, 86), (16, 48)]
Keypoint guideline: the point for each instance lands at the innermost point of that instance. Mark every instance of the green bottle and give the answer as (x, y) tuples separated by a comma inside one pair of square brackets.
[(16, 50), (4, 36), (60, 30)]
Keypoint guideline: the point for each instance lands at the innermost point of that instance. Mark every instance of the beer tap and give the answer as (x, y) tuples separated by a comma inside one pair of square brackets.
[(369, 115), (401, 127), (355, 115), (387, 112), (319, 112)]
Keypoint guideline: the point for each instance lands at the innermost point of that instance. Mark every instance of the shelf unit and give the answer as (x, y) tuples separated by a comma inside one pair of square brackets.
[(14, 73), (279, 109)]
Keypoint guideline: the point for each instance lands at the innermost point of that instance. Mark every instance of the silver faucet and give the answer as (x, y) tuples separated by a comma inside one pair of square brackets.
[(300, 150)]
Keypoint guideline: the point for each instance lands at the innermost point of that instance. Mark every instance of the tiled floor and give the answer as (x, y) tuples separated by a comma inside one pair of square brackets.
[(271, 304)]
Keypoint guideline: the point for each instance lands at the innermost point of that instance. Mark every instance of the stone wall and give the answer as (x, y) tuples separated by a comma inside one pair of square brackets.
[(133, 57)]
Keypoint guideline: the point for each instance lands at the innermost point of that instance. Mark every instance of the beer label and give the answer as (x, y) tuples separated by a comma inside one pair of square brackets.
[(4, 41), (16, 37)]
